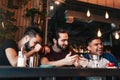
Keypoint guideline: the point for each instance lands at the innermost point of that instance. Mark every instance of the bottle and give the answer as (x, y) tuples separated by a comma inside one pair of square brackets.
[(33, 60), (21, 60), (31, 63)]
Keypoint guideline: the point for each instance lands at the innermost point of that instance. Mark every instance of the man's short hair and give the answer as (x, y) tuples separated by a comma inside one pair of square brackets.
[(55, 34), (57, 31), (90, 39), (32, 31)]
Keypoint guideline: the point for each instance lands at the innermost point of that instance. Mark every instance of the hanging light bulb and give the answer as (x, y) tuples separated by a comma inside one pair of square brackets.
[(51, 7), (106, 15), (57, 2), (99, 34), (117, 35), (3, 26), (88, 13)]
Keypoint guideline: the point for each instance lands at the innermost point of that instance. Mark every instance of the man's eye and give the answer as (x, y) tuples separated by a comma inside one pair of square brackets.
[(64, 40), (96, 44), (35, 42)]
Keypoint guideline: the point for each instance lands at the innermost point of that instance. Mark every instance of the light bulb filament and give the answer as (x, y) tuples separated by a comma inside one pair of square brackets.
[(116, 35), (88, 13), (99, 34), (106, 15)]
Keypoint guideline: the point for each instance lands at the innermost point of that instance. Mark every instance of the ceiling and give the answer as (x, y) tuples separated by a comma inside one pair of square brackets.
[(80, 26), (107, 3)]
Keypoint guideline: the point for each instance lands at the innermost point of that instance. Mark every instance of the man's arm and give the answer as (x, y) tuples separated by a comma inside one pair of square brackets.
[(68, 60), (12, 56), (37, 48)]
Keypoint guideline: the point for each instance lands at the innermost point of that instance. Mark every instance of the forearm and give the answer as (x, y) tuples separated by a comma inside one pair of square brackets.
[(57, 63), (33, 51), (30, 53)]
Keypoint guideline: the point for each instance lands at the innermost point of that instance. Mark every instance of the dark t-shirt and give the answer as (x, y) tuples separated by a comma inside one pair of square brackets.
[(53, 56), (4, 61), (7, 44), (3, 58)]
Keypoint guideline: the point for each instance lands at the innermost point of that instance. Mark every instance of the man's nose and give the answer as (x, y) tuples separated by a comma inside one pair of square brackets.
[(66, 42), (101, 46)]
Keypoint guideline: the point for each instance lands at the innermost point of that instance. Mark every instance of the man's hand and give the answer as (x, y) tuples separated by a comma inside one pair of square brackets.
[(69, 60), (83, 62), (38, 47), (76, 63)]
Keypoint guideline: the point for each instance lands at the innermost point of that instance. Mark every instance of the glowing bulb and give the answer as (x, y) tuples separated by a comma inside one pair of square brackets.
[(106, 15), (3, 25), (117, 35), (51, 7), (99, 34), (88, 13), (57, 2)]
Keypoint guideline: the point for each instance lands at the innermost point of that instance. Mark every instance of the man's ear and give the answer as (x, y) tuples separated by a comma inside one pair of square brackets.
[(88, 47), (27, 38), (54, 40)]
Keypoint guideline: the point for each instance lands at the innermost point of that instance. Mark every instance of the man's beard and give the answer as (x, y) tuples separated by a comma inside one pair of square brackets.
[(27, 46), (60, 47)]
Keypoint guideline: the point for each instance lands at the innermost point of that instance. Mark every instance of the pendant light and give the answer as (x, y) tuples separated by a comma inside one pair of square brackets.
[(51, 7), (88, 13), (106, 15), (99, 34), (57, 2), (117, 35), (3, 26)]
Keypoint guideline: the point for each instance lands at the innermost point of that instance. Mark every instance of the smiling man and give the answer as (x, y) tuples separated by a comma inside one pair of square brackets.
[(97, 58), (61, 55), (60, 52), (31, 42), (95, 47)]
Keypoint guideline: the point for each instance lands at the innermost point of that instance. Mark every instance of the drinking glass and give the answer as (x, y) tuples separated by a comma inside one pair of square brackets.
[(95, 59)]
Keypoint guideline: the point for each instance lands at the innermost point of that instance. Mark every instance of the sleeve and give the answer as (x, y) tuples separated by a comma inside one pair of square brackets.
[(112, 58), (10, 44)]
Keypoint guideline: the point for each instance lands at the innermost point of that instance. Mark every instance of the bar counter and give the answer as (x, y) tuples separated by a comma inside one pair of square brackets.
[(7, 71)]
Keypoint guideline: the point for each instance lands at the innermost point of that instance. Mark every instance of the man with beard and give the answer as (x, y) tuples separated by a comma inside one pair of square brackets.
[(30, 42), (60, 53)]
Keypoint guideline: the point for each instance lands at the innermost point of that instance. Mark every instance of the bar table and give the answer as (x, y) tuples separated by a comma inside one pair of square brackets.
[(9, 72)]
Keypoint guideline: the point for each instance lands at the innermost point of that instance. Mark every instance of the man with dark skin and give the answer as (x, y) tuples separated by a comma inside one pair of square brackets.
[(100, 60)]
